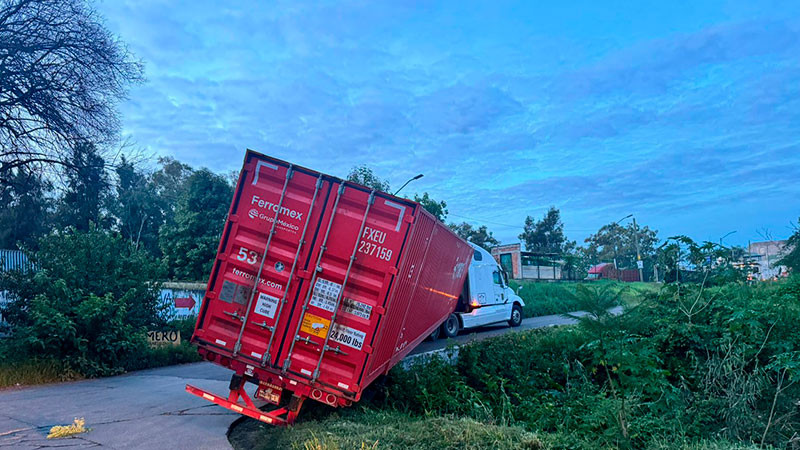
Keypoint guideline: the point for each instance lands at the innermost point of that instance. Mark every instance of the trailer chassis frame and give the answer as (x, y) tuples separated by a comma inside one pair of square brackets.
[(249, 408)]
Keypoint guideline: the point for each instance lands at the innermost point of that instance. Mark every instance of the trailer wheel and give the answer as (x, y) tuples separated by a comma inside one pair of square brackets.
[(435, 335), (451, 326), (516, 316)]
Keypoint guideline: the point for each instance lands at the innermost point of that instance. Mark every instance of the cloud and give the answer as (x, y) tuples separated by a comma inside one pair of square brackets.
[(688, 119)]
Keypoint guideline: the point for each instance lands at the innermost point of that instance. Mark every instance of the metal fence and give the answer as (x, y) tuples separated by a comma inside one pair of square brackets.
[(14, 260), (11, 260)]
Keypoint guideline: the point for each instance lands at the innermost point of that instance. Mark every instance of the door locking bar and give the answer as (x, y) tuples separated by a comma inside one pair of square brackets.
[(318, 268), (300, 245), (344, 284), (238, 345), (234, 314)]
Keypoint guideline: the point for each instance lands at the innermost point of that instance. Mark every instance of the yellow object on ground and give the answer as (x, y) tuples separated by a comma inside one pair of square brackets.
[(60, 431)]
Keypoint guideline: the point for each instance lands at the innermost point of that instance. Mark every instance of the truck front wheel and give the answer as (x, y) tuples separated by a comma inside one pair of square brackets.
[(450, 326), (516, 316)]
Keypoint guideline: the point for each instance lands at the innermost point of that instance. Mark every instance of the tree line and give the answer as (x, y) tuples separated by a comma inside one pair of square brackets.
[(622, 244), (544, 236), (174, 213)]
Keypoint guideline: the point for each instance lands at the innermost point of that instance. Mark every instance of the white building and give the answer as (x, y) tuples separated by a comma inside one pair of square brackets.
[(766, 254)]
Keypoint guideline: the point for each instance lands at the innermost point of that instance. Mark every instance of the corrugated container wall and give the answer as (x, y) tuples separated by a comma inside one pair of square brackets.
[(350, 280)]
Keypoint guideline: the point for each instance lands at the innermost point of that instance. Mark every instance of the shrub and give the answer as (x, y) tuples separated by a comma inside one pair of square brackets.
[(686, 364), (88, 304)]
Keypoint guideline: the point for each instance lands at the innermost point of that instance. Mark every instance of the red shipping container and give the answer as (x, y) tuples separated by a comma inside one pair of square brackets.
[(349, 280)]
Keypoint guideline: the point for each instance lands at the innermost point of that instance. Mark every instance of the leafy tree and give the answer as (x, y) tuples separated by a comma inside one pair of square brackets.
[(615, 242), (24, 209), (682, 259), (364, 175), (438, 209), (546, 235), (87, 304), (791, 258), (62, 74), (575, 266), (138, 208), (170, 184), (189, 242), (479, 236), (86, 191)]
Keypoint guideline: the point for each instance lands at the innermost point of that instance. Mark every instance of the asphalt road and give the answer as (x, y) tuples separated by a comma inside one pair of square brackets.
[(149, 408)]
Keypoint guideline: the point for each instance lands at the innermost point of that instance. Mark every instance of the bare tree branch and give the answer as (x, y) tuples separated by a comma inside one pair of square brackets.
[(62, 74)]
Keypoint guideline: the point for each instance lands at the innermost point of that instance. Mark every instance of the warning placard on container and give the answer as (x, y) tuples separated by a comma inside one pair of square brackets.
[(315, 325), (266, 305), (348, 336), (356, 308), (325, 294)]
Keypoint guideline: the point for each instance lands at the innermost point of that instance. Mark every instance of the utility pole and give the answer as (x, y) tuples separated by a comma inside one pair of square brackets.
[(615, 248), (639, 263), (720, 244)]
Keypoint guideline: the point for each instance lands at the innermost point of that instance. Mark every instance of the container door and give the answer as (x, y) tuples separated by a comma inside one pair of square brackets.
[(339, 309), (276, 210)]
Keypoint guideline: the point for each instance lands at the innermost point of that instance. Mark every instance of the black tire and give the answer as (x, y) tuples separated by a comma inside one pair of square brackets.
[(516, 316), (435, 335), (450, 327)]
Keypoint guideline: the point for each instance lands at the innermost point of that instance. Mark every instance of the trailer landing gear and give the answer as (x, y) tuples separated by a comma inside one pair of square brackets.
[(249, 408)]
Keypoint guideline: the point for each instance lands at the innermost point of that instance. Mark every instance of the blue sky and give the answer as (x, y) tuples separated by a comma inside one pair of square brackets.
[(686, 114)]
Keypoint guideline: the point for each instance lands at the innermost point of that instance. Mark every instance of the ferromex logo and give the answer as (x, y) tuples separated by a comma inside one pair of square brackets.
[(260, 202), (272, 208)]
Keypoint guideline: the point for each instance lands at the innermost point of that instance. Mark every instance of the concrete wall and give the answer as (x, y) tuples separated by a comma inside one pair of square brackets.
[(541, 273)]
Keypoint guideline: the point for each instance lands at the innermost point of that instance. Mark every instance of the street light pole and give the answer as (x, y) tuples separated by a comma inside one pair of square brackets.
[(409, 181), (639, 263), (723, 237)]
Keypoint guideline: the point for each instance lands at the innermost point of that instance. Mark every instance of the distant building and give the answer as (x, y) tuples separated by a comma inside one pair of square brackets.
[(521, 265), (762, 257)]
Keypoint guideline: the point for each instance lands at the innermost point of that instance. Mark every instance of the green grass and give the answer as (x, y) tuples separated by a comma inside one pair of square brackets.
[(544, 298), (34, 372), (16, 371), (365, 428), (375, 429)]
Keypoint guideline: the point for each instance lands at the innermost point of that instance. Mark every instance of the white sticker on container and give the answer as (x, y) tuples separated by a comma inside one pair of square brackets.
[(348, 336), (266, 305), (305, 371), (356, 308), (343, 386), (221, 342), (256, 355), (325, 294)]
